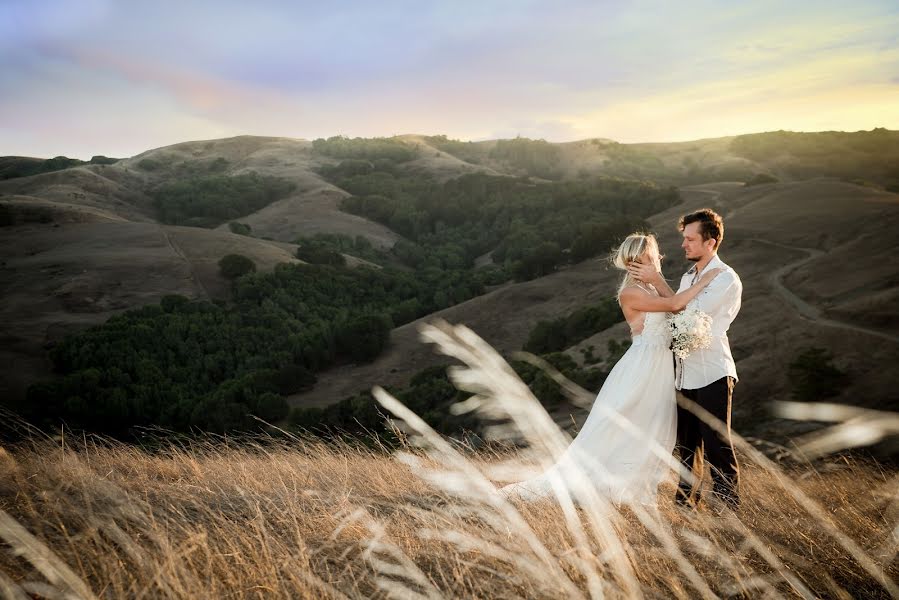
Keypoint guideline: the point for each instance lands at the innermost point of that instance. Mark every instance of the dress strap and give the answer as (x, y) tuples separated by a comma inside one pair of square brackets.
[(648, 291)]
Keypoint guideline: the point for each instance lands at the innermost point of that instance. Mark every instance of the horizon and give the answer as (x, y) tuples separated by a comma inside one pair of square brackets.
[(88, 77), (89, 155)]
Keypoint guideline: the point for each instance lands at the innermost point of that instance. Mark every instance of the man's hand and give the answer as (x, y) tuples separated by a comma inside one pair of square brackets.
[(646, 273)]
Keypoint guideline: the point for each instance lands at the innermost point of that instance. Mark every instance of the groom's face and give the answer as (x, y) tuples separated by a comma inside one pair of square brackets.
[(695, 248)]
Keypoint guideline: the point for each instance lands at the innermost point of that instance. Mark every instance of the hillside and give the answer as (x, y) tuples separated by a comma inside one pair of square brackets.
[(122, 188), (84, 243), (866, 157), (503, 317), (770, 233), (57, 280), (769, 332)]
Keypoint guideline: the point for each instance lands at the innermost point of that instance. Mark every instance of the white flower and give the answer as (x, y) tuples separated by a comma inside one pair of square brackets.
[(690, 330)]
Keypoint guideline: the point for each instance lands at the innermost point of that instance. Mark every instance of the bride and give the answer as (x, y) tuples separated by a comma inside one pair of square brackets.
[(622, 446)]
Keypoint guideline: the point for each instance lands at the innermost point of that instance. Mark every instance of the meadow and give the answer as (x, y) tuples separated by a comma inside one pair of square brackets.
[(295, 517)]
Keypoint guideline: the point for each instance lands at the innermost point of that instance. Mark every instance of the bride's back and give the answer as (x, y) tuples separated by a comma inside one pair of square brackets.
[(635, 318)]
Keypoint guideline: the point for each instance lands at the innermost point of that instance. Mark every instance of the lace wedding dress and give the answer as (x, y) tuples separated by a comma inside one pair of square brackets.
[(622, 459)]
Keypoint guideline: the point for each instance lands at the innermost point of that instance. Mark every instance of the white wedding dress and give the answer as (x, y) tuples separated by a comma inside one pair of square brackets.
[(622, 460)]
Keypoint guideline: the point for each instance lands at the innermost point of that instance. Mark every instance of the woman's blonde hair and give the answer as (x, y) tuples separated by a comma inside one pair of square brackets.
[(632, 248)]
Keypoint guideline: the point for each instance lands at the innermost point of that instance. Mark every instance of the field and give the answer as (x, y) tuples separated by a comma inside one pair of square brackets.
[(306, 521), (296, 518)]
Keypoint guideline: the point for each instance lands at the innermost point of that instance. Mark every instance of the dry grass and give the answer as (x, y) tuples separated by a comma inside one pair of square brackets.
[(297, 518), (307, 520)]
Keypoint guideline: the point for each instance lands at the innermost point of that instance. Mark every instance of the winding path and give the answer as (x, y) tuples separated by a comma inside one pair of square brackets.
[(806, 311), (190, 266)]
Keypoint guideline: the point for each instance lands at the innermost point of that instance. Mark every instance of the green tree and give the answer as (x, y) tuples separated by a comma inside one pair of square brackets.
[(363, 337), (814, 376), (232, 266), (239, 228), (318, 253), (209, 200), (564, 332)]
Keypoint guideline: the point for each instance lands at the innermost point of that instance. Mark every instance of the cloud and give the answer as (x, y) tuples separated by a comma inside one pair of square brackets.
[(90, 77)]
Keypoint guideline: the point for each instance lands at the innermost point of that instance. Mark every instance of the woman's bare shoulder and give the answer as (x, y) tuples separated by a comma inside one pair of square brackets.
[(631, 293), (635, 291)]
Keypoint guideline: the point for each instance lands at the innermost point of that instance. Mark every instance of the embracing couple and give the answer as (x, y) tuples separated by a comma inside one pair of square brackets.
[(624, 447)]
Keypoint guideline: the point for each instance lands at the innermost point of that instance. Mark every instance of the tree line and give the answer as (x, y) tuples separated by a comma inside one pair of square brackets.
[(529, 228), (364, 148), (210, 200), (23, 166)]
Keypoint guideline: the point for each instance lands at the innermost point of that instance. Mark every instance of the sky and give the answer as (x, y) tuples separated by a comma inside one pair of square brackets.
[(118, 77)]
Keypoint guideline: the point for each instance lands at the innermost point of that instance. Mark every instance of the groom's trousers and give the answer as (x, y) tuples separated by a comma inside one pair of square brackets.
[(696, 437)]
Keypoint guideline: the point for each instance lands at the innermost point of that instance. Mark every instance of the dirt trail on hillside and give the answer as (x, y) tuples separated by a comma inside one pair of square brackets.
[(190, 266), (806, 311)]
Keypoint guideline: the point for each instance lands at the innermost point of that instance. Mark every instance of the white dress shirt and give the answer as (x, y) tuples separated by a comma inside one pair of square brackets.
[(720, 300)]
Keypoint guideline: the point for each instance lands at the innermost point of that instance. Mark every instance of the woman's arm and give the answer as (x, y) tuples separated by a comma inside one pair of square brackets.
[(649, 274), (636, 299)]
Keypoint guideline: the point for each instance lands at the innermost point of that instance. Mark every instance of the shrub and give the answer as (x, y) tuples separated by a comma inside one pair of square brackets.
[(320, 254), (233, 266), (239, 228), (363, 337), (364, 148), (537, 157), (814, 376), (561, 333)]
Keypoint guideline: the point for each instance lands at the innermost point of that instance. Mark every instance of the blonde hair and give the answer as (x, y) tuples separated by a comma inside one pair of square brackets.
[(632, 248)]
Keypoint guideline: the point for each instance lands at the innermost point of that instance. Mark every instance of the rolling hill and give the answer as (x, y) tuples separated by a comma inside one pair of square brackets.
[(816, 253), (766, 230), (792, 243)]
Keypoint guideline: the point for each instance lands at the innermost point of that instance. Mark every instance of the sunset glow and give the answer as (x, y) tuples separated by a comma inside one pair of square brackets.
[(84, 77)]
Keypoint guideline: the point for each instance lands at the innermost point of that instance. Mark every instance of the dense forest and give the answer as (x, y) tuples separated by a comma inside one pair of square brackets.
[(194, 364), (331, 249), (210, 200), (529, 228)]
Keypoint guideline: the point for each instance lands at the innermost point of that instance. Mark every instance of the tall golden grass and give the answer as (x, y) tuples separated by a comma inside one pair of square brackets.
[(298, 518)]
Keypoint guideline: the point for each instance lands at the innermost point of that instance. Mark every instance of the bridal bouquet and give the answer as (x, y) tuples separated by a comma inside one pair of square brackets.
[(690, 330)]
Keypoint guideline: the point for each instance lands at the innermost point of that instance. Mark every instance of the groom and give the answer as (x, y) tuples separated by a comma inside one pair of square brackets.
[(706, 377)]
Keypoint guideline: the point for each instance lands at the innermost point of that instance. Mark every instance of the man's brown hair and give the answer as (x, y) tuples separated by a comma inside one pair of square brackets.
[(711, 225)]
